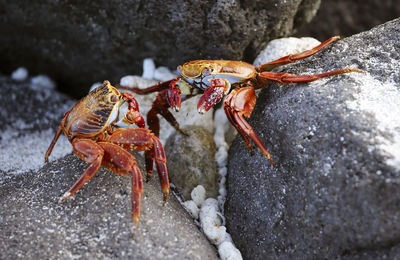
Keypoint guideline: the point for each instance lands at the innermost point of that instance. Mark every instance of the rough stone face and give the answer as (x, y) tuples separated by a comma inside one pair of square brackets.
[(336, 142), (77, 44), (29, 117), (345, 18), (191, 161), (96, 222)]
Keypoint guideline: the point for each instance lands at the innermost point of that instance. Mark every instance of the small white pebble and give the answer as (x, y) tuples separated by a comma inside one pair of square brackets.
[(221, 156), (163, 74), (95, 85), (213, 231), (227, 251), (198, 195), (148, 68), (43, 81), (222, 191), (209, 209), (20, 74), (136, 82), (192, 208)]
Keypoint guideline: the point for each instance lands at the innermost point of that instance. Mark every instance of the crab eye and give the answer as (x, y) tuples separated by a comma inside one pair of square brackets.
[(207, 72), (114, 98)]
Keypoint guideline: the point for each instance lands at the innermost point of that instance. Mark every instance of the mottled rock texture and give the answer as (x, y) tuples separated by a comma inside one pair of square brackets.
[(345, 18), (96, 223), (78, 43), (335, 191), (191, 161)]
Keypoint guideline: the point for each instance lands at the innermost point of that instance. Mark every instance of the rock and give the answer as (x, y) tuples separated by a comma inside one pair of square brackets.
[(345, 18), (191, 161), (334, 193), (96, 222), (77, 44), (29, 117)]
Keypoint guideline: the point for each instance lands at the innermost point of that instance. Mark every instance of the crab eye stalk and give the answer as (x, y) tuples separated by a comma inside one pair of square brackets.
[(207, 72), (114, 98)]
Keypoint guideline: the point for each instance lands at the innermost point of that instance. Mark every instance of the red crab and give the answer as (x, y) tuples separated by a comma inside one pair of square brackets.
[(96, 128), (234, 80)]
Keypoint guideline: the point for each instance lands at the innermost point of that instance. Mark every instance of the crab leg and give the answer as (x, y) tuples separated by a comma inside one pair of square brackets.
[(287, 78), (56, 136), (141, 139), (122, 163), (229, 115), (294, 57), (155, 88), (240, 103), (90, 152)]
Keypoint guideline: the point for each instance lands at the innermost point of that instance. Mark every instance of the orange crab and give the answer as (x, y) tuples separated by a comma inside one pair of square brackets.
[(97, 127), (234, 80)]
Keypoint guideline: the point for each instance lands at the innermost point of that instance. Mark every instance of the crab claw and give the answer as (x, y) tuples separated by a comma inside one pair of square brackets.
[(174, 95), (133, 116), (213, 95)]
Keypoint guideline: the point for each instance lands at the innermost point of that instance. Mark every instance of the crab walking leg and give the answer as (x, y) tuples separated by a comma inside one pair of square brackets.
[(231, 104), (154, 125), (241, 103), (90, 152), (122, 163), (287, 78), (55, 139), (229, 115), (141, 139), (298, 56), (161, 164), (158, 87), (136, 194)]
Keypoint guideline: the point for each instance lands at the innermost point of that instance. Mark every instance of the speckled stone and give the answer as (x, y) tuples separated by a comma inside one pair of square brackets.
[(191, 160), (334, 193), (78, 43), (96, 222)]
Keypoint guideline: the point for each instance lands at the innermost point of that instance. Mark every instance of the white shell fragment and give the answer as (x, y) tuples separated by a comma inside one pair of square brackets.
[(20, 74), (198, 195)]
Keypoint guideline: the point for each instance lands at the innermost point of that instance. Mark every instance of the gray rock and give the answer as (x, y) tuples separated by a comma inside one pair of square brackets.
[(336, 142), (191, 161), (77, 44), (26, 107), (29, 117), (345, 18), (95, 223)]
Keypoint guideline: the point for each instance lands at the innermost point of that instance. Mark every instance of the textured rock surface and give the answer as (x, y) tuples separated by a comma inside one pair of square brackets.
[(29, 116), (96, 222), (191, 161), (336, 142), (81, 43), (345, 18)]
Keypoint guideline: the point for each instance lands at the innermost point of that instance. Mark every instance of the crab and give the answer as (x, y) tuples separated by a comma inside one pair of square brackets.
[(235, 81), (98, 127)]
